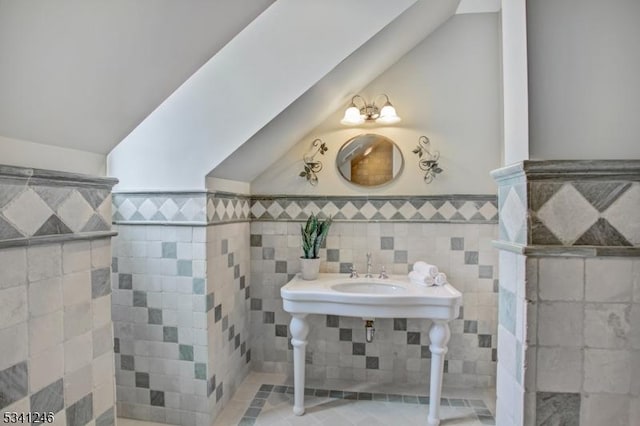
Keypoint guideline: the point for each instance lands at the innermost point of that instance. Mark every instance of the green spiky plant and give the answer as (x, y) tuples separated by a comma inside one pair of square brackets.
[(313, 235)]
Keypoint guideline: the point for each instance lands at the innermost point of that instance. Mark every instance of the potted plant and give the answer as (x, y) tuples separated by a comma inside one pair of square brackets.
[(313, 235)]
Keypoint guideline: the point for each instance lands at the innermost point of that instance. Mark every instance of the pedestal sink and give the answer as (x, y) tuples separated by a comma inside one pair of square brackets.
[(393, 297)]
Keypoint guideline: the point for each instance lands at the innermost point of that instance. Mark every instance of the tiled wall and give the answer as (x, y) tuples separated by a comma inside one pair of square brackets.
[(514, 354), (569, 335), (399, 353), (151, 274), (160, 305), (585, 361), (56, 334), (181, 303), (56, 352), (228, 314)]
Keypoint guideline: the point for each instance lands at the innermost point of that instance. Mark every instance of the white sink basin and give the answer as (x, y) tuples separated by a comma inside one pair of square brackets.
[(371, 288), (393, 297)]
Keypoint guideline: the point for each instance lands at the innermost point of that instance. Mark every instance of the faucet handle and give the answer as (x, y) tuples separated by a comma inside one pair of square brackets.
[(383, 273), (354, 273)]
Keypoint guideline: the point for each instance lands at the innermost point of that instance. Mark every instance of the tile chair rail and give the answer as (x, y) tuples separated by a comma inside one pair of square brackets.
[(192, 208), (572, 204), (42, 206)]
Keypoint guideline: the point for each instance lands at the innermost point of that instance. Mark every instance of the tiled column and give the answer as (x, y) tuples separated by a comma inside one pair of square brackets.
[(181, 298), (56, 333), (569, 333)]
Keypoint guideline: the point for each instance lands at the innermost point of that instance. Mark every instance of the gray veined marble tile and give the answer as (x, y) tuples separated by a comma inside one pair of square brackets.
[(80, 413), (200, 371), (154, 316), (470, 257), (94, 197), (142, 380), (7, 231), (139, 299), (106, 419), (555, 409), (185, 352), (157, 398), (169, 250), (170, 334), (53, 226), (96, 223), (52, 195), (49, 399), (540, 234), (601, 194), (198, 285), (386, 243), (602, 233), (14, 383), (127, 362), (100, 282), (485, 271), (540, 192), (125, 281), (457, 243)]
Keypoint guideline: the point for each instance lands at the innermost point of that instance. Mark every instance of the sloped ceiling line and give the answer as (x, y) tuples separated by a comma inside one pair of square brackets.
[(266, 67), (334, 90)]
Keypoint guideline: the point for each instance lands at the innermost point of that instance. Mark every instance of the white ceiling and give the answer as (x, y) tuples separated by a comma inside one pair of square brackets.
[(83, 73)]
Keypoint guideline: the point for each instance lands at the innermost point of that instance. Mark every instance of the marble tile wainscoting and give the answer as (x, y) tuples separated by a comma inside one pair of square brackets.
[(453, 232), (56, 354), (181, 304), (569, 332)]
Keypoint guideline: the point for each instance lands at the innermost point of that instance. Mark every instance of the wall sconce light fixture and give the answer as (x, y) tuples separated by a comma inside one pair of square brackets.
[(427, 160), (312, 166), (360, 112)]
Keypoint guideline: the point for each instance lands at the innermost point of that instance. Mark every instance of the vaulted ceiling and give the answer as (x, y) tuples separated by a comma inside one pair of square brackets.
[(98, 75), (83, 73)]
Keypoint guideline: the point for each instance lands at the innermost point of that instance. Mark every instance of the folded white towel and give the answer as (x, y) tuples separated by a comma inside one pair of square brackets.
[(425, 269), (417, 278), (440, 279)]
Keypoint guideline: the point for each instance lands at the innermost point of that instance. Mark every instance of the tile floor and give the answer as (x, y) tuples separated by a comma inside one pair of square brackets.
[(266, 399)]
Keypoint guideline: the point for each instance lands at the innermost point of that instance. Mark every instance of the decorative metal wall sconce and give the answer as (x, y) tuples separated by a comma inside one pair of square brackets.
[(312, 166), (427, 161), (363, 111)]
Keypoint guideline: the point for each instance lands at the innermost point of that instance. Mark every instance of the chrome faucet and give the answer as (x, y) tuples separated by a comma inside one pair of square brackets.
[(354, 273), (368, 275), (383, 273)]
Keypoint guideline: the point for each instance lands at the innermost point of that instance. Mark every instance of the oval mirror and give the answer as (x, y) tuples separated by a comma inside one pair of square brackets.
[(369, 160)]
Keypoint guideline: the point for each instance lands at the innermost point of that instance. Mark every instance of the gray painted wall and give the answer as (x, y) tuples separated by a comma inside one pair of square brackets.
[(584, 92)]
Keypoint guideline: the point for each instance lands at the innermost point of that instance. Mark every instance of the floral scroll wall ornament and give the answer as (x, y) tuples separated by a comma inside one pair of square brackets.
[(427, 160), (312, 166)]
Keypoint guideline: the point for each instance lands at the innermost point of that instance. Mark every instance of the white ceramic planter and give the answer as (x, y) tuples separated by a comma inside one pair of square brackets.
[(310, 268)]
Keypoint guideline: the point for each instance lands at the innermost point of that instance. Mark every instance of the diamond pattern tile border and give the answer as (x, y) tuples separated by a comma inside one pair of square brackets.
[(226, 207), (589, 214), (574, 204), (38, 205), (446, 208)]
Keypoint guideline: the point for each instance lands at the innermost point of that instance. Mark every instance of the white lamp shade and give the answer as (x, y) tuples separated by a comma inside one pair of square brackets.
[(352, 116), (388, 115)]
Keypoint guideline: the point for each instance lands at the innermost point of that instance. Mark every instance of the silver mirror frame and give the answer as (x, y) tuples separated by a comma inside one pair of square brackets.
[(396, 150)]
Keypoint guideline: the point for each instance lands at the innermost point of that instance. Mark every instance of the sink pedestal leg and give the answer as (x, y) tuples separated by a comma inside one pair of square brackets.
[(299, 332), (439, 334)]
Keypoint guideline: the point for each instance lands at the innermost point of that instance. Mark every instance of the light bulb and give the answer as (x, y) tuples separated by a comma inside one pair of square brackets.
[(352, 116), (388, 114)]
